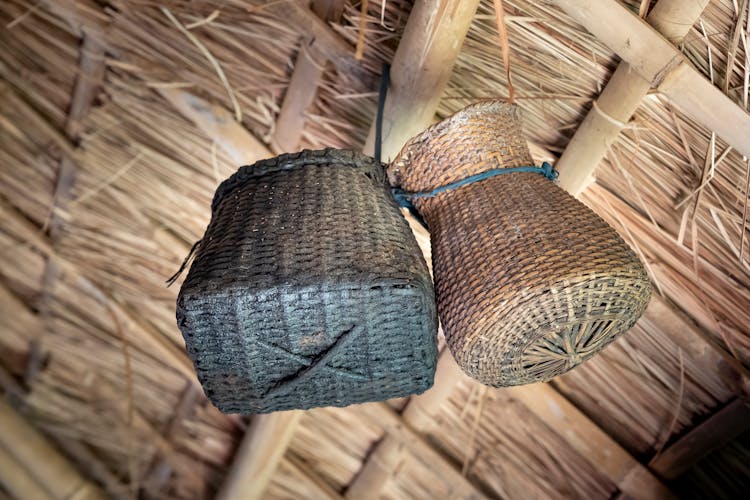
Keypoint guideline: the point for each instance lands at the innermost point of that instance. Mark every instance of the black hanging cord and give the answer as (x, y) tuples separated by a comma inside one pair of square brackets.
[(385, 82)]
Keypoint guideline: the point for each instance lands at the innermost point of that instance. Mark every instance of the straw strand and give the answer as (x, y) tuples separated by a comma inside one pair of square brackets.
[(505, 47)]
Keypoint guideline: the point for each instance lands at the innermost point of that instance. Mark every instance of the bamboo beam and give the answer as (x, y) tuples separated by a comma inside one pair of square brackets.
[(663, 66), (619, 100), (698, 345), (402, 433), (30, 451), (259, 454), (719, 429), (219, 125), (421, 68), (418, 416), (17, 481), (420, 71), (603, 452), (303, 86), (328, 42), (88, 81)]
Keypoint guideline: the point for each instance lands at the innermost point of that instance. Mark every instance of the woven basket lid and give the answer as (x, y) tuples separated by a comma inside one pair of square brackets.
[(529, 281)]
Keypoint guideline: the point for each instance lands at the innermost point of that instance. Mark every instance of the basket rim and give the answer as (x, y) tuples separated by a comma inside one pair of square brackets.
[(291, 161)]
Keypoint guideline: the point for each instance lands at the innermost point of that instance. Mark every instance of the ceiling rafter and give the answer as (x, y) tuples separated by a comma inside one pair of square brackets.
[(29, 462), (717, 430), (618, 101), (307, 76), (663, 67)]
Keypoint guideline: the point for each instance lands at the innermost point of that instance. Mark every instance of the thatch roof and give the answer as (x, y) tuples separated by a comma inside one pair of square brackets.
[(106, 182)]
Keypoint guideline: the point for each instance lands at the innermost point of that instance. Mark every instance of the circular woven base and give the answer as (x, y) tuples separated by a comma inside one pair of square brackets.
[(529, 281), (551, 333)]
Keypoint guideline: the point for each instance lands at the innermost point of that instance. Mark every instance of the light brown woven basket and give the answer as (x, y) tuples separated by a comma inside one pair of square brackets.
[(529, 281)]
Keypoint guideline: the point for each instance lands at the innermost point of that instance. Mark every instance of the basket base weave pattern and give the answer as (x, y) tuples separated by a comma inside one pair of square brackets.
[(308, 289)]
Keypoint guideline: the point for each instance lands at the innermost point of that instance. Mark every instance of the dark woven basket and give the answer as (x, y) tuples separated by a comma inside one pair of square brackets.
[(308, 289), (529, 281)]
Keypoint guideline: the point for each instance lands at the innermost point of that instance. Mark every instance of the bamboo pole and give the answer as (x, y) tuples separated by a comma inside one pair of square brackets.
[(41, 461), (402, 433), (619, 100), (663, 66), (603, 452), (259, 454), (303, 86), (219, 125), (698, 345), (420, 71), (719, 429), (328, 42), (17, 481), (421, 68)]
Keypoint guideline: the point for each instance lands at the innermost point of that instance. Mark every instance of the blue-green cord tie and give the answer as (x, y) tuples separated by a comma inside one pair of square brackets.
[(404, 198)]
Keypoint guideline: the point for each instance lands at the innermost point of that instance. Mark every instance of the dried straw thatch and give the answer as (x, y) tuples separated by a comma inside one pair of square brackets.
[(89, 350)]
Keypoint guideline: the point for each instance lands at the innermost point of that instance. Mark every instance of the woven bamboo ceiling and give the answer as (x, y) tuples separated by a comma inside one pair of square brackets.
[(119, 118)]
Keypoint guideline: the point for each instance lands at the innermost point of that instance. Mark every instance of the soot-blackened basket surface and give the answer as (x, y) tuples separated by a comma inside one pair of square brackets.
[(308, 289)]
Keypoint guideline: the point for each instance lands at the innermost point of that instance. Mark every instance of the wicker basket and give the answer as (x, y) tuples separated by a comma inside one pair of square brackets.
[(308, 289), (529, 281)]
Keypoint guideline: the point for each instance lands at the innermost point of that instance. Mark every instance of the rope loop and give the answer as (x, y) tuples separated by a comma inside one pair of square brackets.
[(405, 198)]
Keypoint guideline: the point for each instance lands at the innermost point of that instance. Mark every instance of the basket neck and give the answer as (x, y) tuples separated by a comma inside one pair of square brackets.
[(481, 137)]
